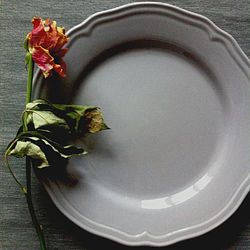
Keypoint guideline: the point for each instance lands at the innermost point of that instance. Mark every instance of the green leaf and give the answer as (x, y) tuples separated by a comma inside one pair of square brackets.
[(27, 58), (50, 127), (26, 44), (27, 148), (73, 119), (43, 151), (44, 118)]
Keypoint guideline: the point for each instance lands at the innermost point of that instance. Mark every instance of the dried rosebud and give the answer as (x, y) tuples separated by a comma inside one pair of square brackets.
[(95, 121), (45, 43)]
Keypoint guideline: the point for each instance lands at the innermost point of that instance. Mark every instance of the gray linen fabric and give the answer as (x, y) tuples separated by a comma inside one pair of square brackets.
[(16, 230)]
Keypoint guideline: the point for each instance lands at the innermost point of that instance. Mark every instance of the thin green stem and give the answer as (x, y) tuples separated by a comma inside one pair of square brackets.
[(30, 78), (23, 189), (28, 88), (28, 196), (27, 190)]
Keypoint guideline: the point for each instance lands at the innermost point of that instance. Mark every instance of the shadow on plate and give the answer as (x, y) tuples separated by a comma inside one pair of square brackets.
[(68, 89)]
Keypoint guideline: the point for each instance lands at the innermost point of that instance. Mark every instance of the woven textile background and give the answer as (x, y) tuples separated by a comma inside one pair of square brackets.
[(16, 230)]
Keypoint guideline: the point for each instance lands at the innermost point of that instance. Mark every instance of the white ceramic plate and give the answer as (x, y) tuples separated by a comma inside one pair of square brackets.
[(175, 89)]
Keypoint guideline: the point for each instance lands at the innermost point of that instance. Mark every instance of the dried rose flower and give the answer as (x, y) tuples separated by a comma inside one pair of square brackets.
[(45, 44)]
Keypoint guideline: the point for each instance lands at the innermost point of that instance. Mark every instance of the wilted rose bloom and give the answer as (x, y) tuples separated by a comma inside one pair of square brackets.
[(45, 43), (95, 121)]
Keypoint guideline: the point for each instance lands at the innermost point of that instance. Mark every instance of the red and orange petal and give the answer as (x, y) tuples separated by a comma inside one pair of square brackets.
[(51, 34), (45, 42), (61, 41), (44, 33), (43, 60), (36, 21), (37, 36), (46, 63), (47, 34), (60, 68)]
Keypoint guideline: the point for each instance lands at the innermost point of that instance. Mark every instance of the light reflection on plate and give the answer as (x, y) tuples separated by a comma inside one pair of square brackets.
[(179, 197)]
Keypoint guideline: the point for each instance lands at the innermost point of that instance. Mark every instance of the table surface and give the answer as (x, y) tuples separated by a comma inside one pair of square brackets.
[(16, 230)]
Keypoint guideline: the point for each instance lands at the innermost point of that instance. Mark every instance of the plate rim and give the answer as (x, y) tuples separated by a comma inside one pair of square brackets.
[(145, 238)]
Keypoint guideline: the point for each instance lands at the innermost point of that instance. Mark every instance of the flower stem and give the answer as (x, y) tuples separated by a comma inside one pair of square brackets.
[(30, 78), (36, 224), (28, 196)]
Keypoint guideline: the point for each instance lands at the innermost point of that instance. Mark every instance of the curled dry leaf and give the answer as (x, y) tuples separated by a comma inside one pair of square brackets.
[(50, 128)]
